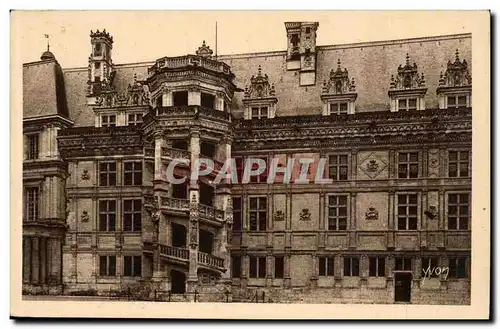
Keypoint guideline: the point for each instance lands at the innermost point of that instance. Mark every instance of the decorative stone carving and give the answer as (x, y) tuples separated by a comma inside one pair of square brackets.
[(85, 216), (339, 82), (137, 94), (372, 166), (431, 212), (259, 86), (305, 214), (204, 50), (193, 233), (279, 216), (456, 74), (371, 214), (85, 174), (407, 77)]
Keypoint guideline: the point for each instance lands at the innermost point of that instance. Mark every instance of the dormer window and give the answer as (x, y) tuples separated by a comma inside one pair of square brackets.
[(260, 99), (455, 86), (108, 120), (339, 93), (135, 119), (260, 112), (407, 90), (338, 108)]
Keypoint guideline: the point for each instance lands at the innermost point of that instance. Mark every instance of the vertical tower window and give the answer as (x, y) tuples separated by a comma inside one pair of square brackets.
[(407, 211), (337, 213), (258, 214), (31, 195), (338, 167), (32, 151), (132, 211), (351, 266), (325, 266), (458, 164), (107, 215), (458, 211), (408, 165), (257, 267)]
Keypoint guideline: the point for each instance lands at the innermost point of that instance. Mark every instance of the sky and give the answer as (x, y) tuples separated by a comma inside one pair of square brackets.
[(147, 35)]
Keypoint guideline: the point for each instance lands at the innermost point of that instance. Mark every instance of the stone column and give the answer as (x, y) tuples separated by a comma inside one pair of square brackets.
[(193, 232), (194, 96), (287, 275), (27, 259), (352, 221), (43, 260), (55, 260), (390, 232), (35, 260), (441, 219), (337, 270)]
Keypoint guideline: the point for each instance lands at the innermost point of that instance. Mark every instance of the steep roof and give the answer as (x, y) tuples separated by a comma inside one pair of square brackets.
[(44, 91), (371, 64)]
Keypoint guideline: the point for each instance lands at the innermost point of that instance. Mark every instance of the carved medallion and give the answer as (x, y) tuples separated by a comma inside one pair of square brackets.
[(431, 212), (85, 174), (372, 166), (371, 214), (85, 216), (305, 214), (279, 216)]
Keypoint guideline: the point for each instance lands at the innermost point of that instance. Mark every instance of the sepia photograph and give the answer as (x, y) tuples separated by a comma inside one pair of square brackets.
[(330, 161)]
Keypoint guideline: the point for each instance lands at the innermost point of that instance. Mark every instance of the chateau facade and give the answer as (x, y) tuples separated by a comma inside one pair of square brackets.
[(393, 119)]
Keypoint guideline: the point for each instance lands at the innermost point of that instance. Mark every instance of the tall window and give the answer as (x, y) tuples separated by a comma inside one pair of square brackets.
[(97, 69), (32, 151), (279, 266), (338, 167), (260, 112), (338, 108), (458, 267), (407, 211), (458, 164), (180, 144), (235, 266), (208, 100), (132, 173), (258, 213), (237, 218), (407, 104), (180, 98), (135, 119), (430, 263), (351, 266), (132, 211), (408, 165), (455, 101), (132, 266), (31, 203), (325, 266), (337, 212), (257, 267), (377, 266), (108, 120), (262, 178), (107, 174), (458, 211), (107, 215), (98, 50), (107, 265), (403, 264)]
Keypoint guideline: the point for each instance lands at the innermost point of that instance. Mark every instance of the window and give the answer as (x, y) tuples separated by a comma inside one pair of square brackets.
[(257, 267), (295, 40), (407, 212), (97, 69), (208, 100), (308, 30), (107, 215), (107, 174), (377, 266), (279, 266), (207, 149), (180, 144), (107, 265), (338, 167), (108, 120), (403, 264), (351, 266), (456, 101), (132, 173), (429, 264), (235, 266), (258, 213), (180, 98), (337, 212), (407, 104), (408, 165), (132, 210), (260, 112), (132, 265), (237, 218), (31, 203), (135, 119), (98, 50), (325, 266), (159, 101), (262, 178), (32, 151), (458, 211), (458, 164), (458, 267), (338, 108)]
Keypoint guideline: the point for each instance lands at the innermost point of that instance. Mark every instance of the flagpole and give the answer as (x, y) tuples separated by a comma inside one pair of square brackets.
[(215, 40)]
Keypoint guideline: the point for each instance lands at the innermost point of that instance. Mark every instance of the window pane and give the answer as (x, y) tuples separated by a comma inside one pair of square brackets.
[(413, 102), (453, 155), (402, 103), (451, 100), (464, 155), (414, 157), (342, 224), (262, 267), (412, 199), (462, 100), (452, 198), (342, 200)]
